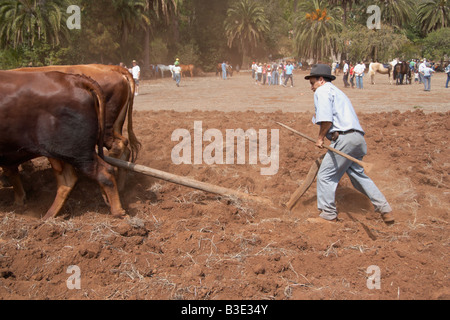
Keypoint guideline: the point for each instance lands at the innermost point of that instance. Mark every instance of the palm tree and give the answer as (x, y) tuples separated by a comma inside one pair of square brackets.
[(159, 10), (131, 13), (397, 13), (346, 7), (164, 8), (246, 23), (24, 21), (317, 29), (434, 14)]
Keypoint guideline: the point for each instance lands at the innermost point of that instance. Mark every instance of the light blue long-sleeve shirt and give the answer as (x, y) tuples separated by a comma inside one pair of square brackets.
[(332, 105)]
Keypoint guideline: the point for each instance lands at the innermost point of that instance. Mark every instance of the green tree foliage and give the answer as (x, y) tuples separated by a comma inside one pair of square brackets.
[(246, 24), (25, 21), (437, 44), (374, 45), (206, 32), (317, 29), (397, 13), (434, 14)]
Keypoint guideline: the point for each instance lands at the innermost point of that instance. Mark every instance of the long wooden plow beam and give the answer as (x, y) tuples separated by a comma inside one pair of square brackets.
[(367, 166), (187, 182)]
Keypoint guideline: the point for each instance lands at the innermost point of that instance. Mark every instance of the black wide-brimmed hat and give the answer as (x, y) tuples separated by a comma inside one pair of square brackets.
[(321, 70)]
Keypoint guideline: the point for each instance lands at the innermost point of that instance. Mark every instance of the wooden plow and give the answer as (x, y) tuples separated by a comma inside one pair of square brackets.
[(187, 182)]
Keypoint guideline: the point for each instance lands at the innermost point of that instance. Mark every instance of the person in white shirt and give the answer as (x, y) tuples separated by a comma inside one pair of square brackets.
[(136, 72), (345, 69), (422, 66), (359, 74), (254, 67), (177, 74), (259, 71), (426, 75)]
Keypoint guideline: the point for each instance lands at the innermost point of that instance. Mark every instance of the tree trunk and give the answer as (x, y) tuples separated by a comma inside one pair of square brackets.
[(147, 48), (175, 29), (344, 7), (245, 59)]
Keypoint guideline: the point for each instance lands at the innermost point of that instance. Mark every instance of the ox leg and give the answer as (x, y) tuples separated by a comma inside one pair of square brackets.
[(65, 180), (120, 151), (13, 176), (109, 187), (122, 173)]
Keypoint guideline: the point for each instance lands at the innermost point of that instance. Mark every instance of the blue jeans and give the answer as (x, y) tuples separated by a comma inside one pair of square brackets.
[(427, 83), (359, 82), (448, 80), (334, 166), (178, 78), (275, 77), (224, 74)]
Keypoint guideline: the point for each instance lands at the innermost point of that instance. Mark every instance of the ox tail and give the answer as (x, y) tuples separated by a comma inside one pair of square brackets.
[(96, 90), (135, 145)]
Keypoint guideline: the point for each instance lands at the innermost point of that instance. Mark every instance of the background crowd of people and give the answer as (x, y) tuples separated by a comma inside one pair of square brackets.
[(274, 73)]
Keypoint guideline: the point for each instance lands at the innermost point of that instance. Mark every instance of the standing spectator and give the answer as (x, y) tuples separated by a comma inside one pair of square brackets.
[(254, 67), (345, 70), (359, 74), (289, 74), (269, 74), (275, 74), (258, 73), (416, 76), (426, 73), (224, 70), (177, 74), (412, 64), (264, 74), (281, 72), (333, 68), (352, 75), (422, 65), (447, 71), (136, 72)]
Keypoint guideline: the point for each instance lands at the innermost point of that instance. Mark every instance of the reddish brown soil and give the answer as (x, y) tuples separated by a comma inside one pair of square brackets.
[(179, 243)]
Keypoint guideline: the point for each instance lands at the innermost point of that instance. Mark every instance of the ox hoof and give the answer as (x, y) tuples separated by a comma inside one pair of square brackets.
[(19, 202), (120, 214)]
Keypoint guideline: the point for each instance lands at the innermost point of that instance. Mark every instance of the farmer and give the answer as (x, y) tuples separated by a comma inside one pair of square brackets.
[(338, 122)]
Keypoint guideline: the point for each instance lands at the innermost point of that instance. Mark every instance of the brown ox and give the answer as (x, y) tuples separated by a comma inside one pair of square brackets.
[(187, 68), (59, 116), (118, 85)]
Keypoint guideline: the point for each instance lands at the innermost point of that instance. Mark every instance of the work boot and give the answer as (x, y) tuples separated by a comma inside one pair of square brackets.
[(321, 220), (388, 218)]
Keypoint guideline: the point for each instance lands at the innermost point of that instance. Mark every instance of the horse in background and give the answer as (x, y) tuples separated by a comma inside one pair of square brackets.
[(163, 68), (402, 69), (375, 67), (219, 70), (187, 68)]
